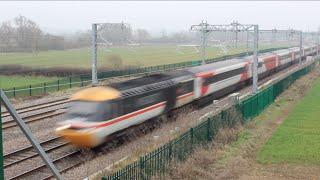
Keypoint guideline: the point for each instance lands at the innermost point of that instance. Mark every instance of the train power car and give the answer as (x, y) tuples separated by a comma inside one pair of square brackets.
[(97, 113)]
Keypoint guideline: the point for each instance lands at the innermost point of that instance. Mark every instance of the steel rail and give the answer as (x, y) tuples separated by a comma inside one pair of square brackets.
[(28, 152), (34, 117), (37, 106), (23, 174)]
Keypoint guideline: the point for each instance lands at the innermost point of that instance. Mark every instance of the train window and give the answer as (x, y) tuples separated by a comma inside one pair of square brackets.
[(83, 108), (127, 105), (185, 87), (222, 76), (285, 56), (112, 110), (150, 99)]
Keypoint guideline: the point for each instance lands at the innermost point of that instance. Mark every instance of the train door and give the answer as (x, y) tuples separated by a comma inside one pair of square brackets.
[(197, 87)]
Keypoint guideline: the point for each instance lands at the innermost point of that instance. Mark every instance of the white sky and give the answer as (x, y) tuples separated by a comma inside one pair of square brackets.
[(63, 17)]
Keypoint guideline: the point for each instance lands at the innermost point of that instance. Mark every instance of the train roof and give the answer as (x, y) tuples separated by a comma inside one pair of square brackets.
[(217, 65), (151, 82), (150, 79)]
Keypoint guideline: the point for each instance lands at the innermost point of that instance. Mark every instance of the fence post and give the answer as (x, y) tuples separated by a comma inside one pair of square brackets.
[(70, 85), (141, 164), (170, 150), (1, 147), (14, 91), (58, 85), (223, 117), (208, 129), (30, 90), (191, 136), (44, 87)]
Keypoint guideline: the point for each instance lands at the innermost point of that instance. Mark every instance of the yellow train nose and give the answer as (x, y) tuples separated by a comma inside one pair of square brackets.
[(78, 138)]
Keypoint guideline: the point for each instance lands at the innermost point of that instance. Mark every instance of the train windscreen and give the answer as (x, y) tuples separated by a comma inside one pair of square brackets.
[(83, 108)]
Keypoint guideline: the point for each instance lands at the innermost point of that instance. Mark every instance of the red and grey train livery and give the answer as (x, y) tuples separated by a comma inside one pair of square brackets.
[(97, 113)]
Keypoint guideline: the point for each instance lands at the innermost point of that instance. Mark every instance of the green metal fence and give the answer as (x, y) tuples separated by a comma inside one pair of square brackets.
[(85, 79), (254, 105), (158, 161)]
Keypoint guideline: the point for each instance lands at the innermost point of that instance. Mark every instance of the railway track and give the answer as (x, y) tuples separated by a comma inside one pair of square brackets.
[(14, 158), (34, 117), (53, 111), (41, 174), (26, 153), (37, 107), (54, 108), (29, 152)]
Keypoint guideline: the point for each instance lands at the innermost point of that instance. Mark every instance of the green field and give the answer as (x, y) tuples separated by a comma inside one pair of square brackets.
[(136, 56), (18, 81), (80, 58), (297, 140)]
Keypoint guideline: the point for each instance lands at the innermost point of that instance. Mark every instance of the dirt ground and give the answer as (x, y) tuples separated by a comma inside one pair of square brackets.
[(233, 153)]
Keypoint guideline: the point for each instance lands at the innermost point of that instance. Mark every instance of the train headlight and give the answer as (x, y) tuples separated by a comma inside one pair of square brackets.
[(63, 127)]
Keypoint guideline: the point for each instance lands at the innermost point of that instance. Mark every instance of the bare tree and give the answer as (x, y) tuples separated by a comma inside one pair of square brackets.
[(24, 35), (6, 34), (117, 34), (28, 34)]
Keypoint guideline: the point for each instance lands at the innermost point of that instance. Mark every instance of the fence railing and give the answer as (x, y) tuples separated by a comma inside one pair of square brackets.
[(85, 79), (158, 161), (254, 105)]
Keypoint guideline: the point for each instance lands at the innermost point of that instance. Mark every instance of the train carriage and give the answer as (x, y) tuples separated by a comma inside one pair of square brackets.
[(217, 76), (106, 110), (97, 113)]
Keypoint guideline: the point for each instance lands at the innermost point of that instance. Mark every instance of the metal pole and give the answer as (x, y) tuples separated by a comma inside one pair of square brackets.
[(236, 43), (94, 55), (255, 60), (25, 129), (318, 44), (300, 45), (203, 48), (247, 43)]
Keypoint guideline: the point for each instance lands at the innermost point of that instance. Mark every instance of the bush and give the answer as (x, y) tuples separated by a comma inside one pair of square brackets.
[(115, 61)]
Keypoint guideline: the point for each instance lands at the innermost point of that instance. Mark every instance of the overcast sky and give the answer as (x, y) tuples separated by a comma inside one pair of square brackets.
[(63, 17)]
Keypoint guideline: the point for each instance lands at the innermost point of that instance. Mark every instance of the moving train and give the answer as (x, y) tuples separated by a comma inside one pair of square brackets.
[(97, 113)]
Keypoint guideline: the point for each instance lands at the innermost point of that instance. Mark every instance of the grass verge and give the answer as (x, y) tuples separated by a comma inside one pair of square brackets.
[(297, 140), (18, 81)]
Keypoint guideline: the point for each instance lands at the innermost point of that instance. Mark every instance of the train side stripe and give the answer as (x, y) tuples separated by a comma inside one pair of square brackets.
[(185, 95), (124, 117)]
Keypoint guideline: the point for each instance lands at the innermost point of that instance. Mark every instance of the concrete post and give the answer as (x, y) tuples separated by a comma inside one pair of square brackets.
[(300, 45), (255, 60), (94, 55), (318, 44)]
